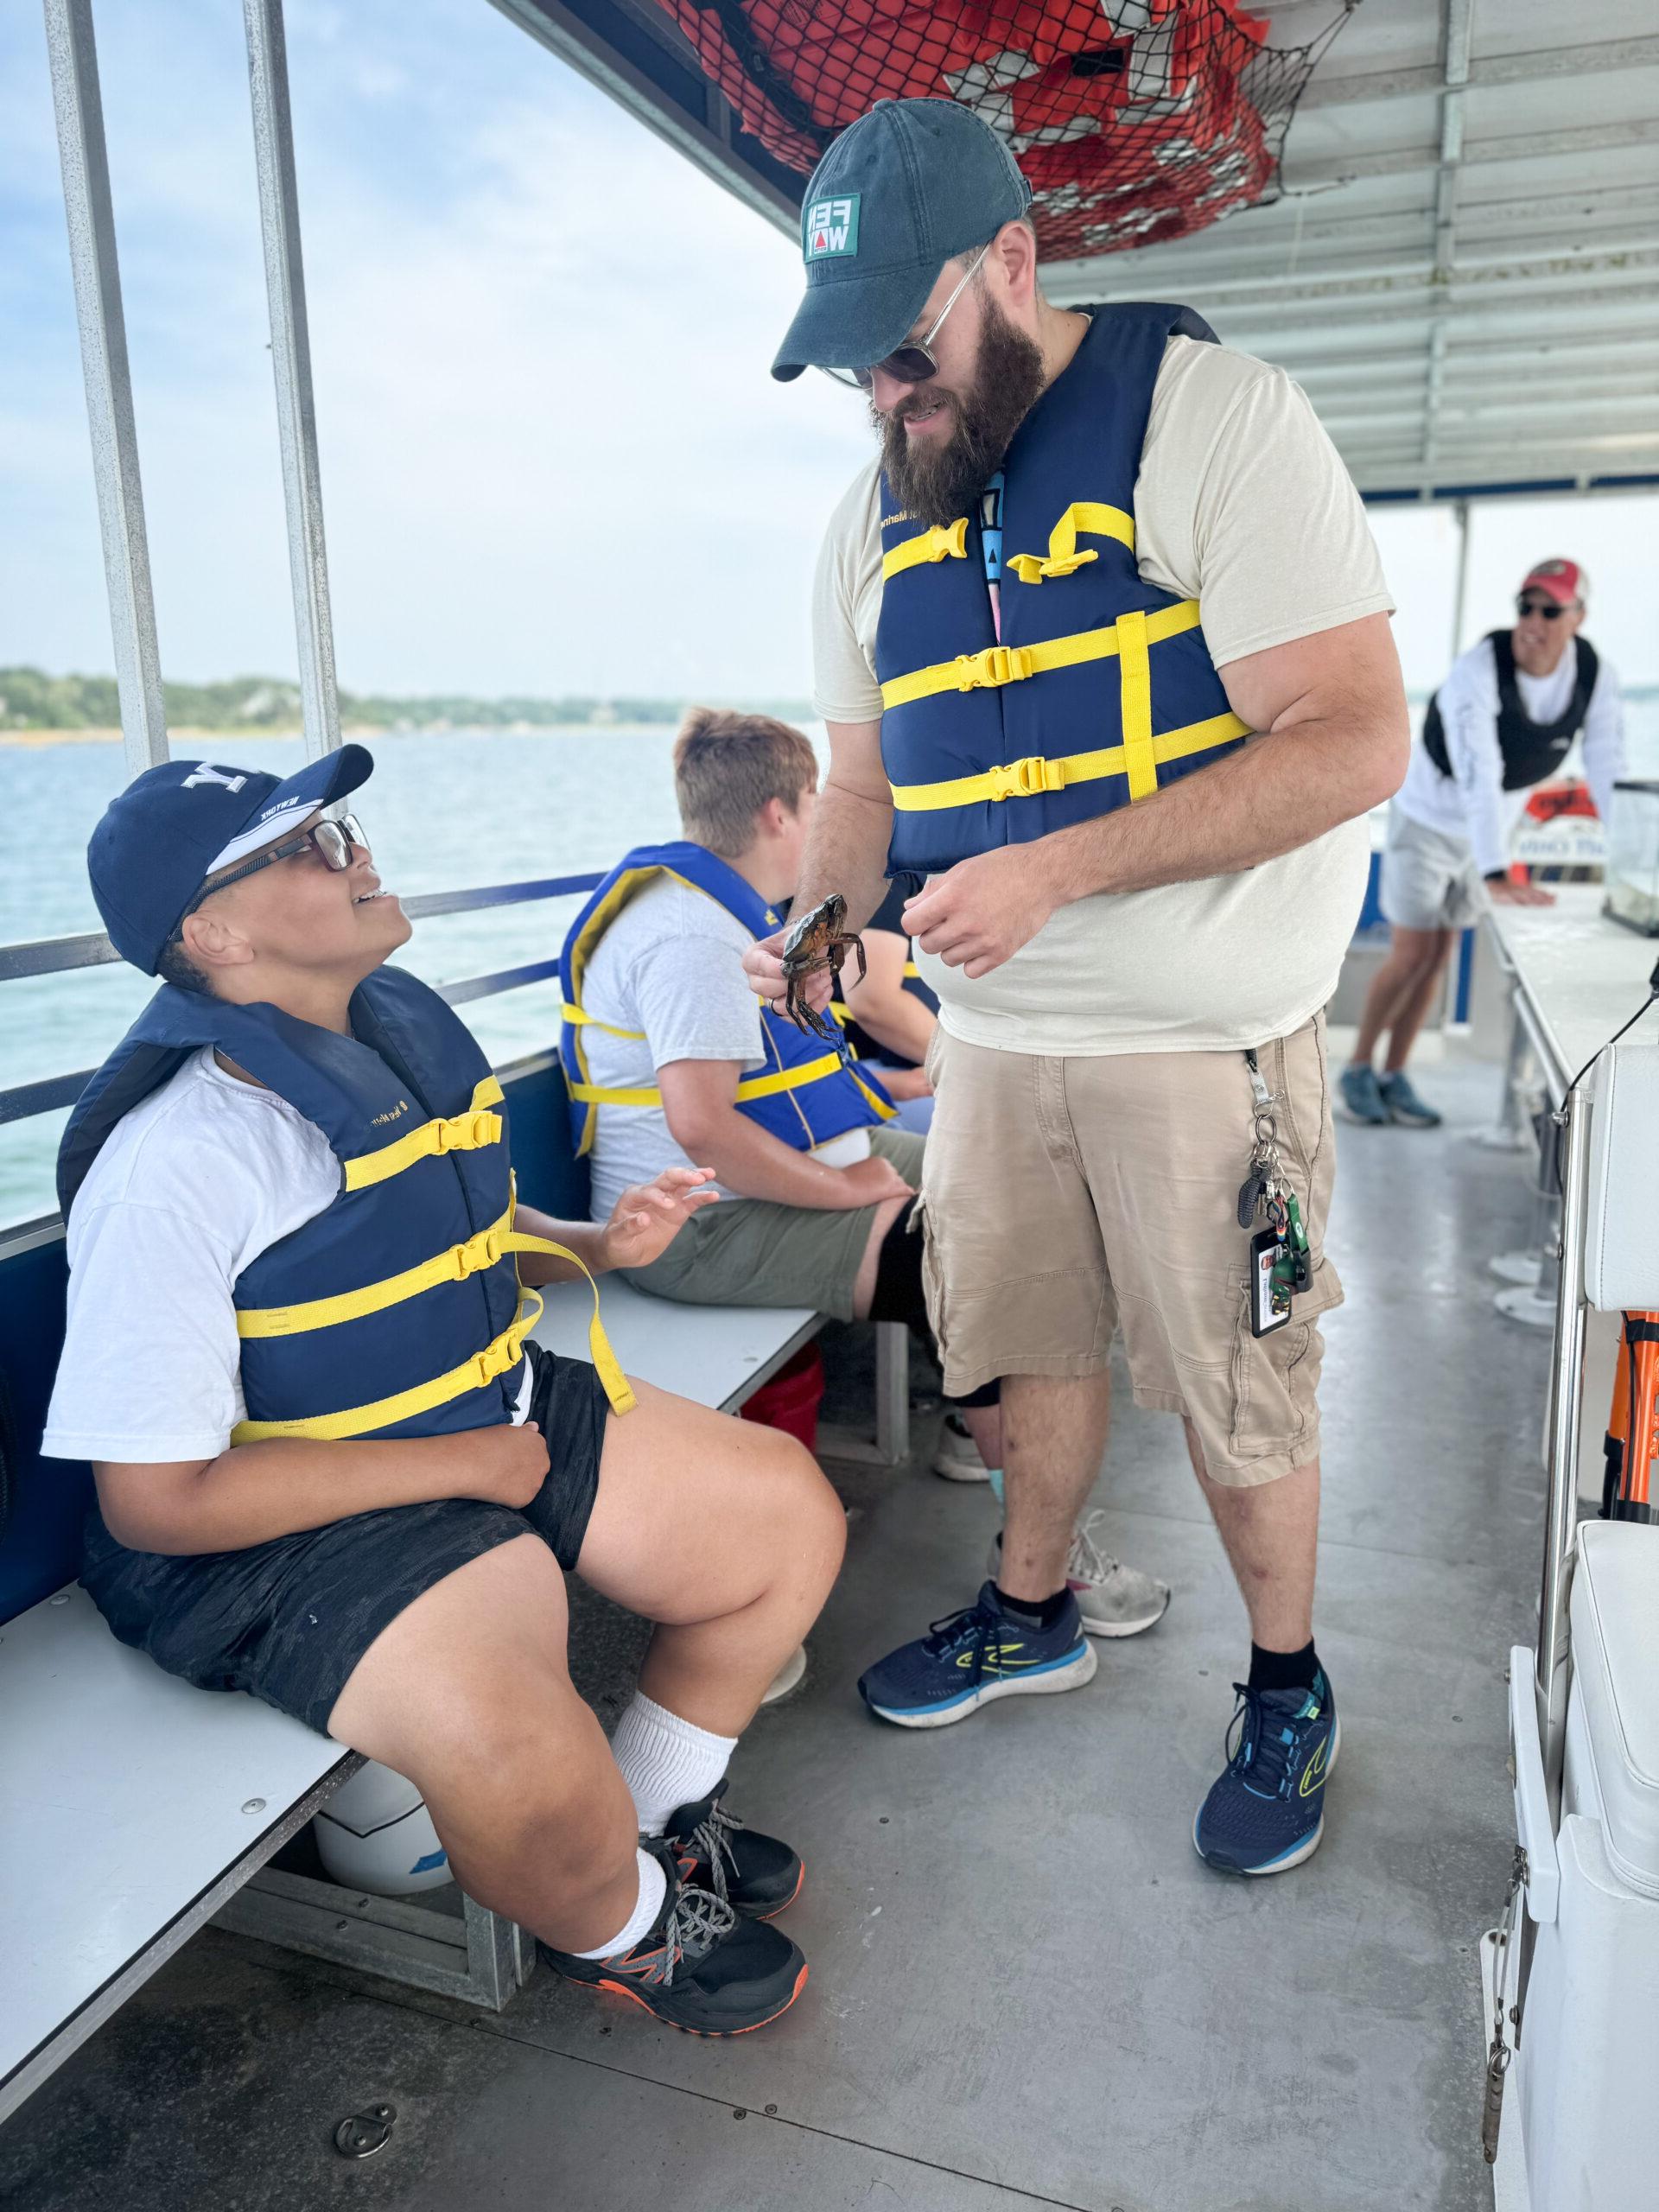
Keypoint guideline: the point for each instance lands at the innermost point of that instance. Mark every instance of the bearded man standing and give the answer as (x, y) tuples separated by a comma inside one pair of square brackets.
[(1145, 856)]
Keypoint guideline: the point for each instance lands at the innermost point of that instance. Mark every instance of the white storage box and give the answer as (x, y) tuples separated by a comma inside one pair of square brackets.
[(1583, 2078)]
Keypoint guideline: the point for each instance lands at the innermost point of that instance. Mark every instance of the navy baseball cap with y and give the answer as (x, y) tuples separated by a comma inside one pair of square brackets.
[(183, 820), (900, 192)]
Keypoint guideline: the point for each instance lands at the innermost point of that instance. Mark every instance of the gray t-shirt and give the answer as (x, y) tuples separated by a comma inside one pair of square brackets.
[(671, 964)]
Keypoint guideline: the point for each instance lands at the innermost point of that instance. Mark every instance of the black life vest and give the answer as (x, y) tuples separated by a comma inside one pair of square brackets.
[(1531, 750)]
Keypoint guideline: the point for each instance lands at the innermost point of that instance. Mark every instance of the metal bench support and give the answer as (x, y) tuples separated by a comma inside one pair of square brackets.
[(480, 1958)]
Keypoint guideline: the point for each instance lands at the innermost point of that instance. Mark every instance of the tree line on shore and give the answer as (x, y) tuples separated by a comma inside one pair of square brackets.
[(30, 699)]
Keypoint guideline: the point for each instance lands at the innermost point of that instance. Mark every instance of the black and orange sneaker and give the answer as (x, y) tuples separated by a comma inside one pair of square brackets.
[(699, 1966), (755, 1874)]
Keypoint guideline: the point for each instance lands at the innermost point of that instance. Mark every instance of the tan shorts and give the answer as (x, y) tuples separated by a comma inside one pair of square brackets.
[(1064, 1196)]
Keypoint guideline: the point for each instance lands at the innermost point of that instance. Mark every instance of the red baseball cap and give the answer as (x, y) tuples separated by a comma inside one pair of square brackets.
[(1563, 580)]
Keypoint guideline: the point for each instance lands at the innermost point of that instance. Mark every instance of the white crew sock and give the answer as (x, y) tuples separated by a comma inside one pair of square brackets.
[(666, 1761), (653, 1885)]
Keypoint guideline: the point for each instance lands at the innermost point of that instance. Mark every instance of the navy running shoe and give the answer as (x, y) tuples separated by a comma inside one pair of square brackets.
[(973, 1656), (1266, 1814)]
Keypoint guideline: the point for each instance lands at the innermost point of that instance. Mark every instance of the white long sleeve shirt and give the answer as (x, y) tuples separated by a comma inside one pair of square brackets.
[(1471, 802)]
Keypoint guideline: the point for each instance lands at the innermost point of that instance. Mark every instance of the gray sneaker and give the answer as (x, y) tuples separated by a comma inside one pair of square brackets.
[(1362, 1094), (1401, 1103), (1113, 1599)]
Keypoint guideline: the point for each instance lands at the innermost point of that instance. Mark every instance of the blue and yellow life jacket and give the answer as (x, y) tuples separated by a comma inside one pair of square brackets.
[(1101, 688), (801, 1091), (396, 1311)]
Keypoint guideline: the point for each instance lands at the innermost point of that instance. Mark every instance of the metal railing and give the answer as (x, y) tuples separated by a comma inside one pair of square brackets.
[(55, 956)]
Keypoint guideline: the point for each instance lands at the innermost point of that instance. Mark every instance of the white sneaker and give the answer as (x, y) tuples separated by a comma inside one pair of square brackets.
[(1113, 1599), (956, 1456)]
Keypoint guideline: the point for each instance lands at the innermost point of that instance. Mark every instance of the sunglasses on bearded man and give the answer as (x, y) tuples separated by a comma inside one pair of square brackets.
[(911, 364)]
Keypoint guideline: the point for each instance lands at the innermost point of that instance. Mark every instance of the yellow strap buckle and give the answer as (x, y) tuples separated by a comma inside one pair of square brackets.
[(997, 664), (465, 1133), (1028, 778), (477, 1253)]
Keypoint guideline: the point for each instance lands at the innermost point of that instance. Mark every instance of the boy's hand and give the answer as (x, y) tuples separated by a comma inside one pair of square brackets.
[(512, 1464), (648, 1216)]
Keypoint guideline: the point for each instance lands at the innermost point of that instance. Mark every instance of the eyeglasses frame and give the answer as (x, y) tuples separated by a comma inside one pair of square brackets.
[(347, 825)]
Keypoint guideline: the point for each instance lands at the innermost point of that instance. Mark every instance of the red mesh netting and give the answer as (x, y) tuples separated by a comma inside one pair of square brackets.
[(1135, 120)]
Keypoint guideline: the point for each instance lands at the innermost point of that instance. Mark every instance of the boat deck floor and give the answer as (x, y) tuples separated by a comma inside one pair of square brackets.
[(1027, 1990)]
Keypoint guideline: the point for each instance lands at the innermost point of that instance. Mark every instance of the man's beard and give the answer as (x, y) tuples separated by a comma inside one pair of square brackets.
[(936, 478)]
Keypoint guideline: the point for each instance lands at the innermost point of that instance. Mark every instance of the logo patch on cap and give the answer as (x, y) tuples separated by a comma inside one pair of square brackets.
[(831, 227)]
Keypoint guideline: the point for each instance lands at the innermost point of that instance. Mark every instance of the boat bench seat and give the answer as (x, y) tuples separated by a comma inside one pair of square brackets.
[(134, 1808)]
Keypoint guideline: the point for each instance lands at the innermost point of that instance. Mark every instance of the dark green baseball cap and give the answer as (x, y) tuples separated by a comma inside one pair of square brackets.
[(900, 192)]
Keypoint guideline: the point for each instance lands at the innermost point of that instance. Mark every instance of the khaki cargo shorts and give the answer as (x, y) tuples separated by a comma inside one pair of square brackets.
[(1063, 1199)]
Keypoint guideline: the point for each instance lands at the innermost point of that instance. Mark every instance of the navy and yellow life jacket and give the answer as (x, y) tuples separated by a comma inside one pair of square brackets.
[(1531, 750), (396, 1311), (800, 1091), (1101, 688)]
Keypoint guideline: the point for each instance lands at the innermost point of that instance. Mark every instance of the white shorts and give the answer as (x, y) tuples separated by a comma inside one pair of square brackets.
[(1429, 880)]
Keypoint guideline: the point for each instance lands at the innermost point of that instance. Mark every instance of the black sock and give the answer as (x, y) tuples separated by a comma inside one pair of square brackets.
[(1042, 1614), (1283, 1670)]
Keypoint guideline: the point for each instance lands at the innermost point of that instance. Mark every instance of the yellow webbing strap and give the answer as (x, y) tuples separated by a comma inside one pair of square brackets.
[(1135, 671), (1025, 778), (912, 973), (460, 1133), (1085, 517), (474, 1374), (578, 1019), (1000, 664), (460, 1261), (943, 541), (754, 1086)]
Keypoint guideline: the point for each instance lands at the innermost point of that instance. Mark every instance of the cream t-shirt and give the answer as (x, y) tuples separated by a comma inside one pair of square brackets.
[(1242, 503)]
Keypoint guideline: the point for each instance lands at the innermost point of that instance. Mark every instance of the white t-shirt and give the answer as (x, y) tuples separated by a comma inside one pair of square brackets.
[(1242, 503), (671, 964), (190, 1188), (1471, 802)]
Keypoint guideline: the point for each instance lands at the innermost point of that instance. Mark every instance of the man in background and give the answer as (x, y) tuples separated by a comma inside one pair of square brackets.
[(1504, 720)]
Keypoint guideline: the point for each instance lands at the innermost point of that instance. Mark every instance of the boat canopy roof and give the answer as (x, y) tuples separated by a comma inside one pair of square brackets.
[(1460, 262)]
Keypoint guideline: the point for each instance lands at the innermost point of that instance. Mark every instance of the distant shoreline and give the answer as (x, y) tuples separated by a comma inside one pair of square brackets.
[(363, 734)]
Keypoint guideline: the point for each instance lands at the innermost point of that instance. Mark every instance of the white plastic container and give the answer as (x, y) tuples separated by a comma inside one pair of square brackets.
[(1583, 2085)]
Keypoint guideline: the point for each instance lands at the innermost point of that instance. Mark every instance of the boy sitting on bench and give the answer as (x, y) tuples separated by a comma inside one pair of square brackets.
[(331, 1471), (669, 1057)]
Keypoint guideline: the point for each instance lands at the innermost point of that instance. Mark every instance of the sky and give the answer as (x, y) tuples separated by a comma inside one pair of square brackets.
[(553, 460)]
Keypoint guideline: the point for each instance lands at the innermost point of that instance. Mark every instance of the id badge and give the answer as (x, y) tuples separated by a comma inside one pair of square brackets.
[(1269, 1300)]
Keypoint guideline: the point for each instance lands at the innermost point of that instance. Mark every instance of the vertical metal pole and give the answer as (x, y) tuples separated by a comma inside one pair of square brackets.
[(1460, 597), (291, 353), (73, 56), (1566, 1388)]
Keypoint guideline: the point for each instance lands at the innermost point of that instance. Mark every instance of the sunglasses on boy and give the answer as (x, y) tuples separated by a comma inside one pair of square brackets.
[(1551, 609), (335, 841), (911, 364)]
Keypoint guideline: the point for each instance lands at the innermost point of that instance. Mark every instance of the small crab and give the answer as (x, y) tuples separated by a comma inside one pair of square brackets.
[(818, 941)]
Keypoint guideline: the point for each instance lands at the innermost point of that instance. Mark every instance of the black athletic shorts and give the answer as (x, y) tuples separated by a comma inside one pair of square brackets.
[(290, 1619)]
